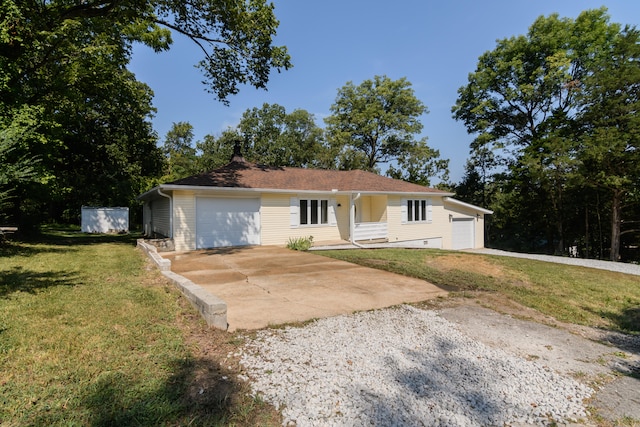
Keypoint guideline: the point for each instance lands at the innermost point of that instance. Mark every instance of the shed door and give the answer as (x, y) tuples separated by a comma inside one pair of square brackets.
[(462, 233), (224, 222)]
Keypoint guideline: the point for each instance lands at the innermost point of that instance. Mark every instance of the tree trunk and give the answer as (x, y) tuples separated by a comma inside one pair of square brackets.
[(616, 207), (559, 249), (586, 230), (601, 251)]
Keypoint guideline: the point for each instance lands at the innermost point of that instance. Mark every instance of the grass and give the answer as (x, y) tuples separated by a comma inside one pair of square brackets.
[(90, 336), (572, 294)]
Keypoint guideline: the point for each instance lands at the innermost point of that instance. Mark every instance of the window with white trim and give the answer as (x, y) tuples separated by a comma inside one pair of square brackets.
[(314, 211), (418, 210)]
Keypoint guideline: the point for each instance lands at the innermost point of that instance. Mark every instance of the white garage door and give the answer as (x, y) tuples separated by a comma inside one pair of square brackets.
[(227, 222), (463, 233)]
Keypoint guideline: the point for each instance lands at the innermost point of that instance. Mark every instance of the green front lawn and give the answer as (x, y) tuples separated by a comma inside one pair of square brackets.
[(90, 335), (579, 295)]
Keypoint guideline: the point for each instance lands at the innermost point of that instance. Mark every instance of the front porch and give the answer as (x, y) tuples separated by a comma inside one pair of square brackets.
[(366, 231), (368, 218)]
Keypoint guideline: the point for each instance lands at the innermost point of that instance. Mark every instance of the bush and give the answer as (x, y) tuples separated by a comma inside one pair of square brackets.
[(300, 243)]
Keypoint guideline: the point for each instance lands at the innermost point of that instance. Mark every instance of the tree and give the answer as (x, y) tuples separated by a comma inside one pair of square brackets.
[(478, 176), (276, 138), (15, 167), (68, 61), (419, 164), (216, 152), (179, 152), (376, 122), (472, 187), (610, 149), (235, 36), (522, 103), (525, 89)]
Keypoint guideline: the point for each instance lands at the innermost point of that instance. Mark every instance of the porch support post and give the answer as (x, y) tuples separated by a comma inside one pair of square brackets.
[(352, 217), (352, 222)]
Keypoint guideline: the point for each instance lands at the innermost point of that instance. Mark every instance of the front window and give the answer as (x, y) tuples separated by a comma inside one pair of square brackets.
[(416, 210), (314, 211)]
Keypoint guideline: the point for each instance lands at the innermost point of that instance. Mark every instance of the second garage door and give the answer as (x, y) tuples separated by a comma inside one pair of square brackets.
[(222, 222), (462, 233)]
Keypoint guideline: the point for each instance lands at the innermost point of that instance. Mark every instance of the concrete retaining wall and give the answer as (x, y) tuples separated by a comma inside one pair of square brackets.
[(212, 308), (152, 253)]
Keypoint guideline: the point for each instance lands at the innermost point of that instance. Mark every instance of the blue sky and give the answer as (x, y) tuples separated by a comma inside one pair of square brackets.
[(435, 45)]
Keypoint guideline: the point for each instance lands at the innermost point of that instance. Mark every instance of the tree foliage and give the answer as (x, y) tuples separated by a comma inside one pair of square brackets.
[(525, 89), (277, 138), (376, 122), (235, 36), (420, 164), (15, 166), (67, 60), (610, 140), (213, 152), (179, 152), (543, 105)]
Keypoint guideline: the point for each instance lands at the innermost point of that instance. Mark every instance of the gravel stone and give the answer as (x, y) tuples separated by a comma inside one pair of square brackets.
[(403, 366)]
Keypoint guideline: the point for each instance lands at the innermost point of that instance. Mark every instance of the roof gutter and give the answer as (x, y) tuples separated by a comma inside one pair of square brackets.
[(467, 205), (206, 188)]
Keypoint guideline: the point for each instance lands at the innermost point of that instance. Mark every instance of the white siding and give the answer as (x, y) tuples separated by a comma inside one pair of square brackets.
[(343, 208), (378, 209), (160, 222), (184, 221), (276, 219), (402, 230)]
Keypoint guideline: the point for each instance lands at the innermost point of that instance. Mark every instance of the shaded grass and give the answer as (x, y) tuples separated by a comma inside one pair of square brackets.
[(89, 336), (568, 293)]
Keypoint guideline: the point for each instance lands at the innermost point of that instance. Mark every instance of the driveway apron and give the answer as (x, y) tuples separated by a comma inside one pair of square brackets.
[(269, 285)]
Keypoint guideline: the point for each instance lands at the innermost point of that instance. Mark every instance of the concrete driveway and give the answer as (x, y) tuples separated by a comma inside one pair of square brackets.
[(268, 285)]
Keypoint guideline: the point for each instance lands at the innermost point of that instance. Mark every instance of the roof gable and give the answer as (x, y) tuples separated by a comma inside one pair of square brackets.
[(239, 174)]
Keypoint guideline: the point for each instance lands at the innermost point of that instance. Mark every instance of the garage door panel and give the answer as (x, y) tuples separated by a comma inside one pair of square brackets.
[(462, 236), (227, 222)]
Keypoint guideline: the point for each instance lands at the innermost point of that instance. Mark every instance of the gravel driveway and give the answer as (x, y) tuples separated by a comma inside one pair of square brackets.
[(464, 366), (459, 366)]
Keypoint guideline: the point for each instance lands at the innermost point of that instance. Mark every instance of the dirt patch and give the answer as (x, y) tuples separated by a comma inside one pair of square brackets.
[(480, 265)]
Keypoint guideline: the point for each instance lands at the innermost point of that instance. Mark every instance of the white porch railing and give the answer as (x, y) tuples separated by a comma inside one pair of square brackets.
[(370, 231)]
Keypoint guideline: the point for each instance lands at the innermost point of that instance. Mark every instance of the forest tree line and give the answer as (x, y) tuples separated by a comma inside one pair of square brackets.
[(553, 114)]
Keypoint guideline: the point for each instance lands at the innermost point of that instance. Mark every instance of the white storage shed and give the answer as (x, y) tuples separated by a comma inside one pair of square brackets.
[(105, 220)]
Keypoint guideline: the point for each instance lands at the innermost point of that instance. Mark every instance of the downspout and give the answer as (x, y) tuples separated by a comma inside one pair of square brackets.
[(170, 211), (352, 220)]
